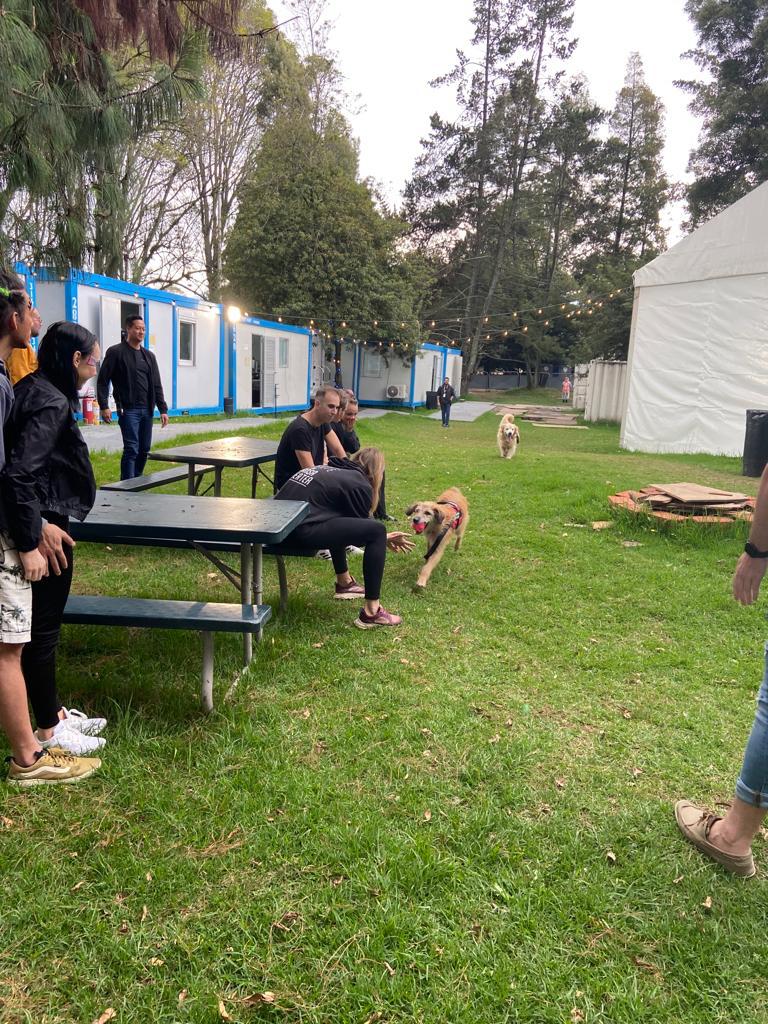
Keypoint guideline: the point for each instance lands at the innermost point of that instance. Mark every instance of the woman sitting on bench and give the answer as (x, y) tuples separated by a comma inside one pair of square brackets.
[(342, 497), (48, 478)]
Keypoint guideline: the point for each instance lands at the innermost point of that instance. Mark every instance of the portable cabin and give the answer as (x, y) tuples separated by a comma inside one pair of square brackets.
[(270, 366), (380, 377)]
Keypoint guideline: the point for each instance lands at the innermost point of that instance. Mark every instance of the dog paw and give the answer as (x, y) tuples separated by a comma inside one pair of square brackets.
[(419, 588)]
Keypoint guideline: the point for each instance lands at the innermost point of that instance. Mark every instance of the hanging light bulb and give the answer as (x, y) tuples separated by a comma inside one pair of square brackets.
[(539, 311), (546, 323)]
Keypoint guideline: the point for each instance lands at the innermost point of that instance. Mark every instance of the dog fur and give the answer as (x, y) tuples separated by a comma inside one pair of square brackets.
[(508, 437), (429, 518)]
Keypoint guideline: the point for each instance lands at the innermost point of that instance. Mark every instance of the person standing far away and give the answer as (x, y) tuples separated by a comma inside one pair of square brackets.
[(23, 361), (136, 386), (29, 764), (304, 440), (445, 396), (565, 392)]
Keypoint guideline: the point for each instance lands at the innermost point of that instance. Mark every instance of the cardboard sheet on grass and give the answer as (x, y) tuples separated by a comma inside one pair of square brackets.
[(542, 415), (683, 502)]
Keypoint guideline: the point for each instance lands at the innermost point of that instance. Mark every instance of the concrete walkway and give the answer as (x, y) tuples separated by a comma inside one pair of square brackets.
[(107, 437), (465, 412)]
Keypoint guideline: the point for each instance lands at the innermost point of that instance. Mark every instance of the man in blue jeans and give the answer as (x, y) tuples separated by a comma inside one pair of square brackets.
[(135, 377), (445, 396)]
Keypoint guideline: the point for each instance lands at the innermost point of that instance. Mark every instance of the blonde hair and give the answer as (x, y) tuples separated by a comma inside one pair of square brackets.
[(371, 461)]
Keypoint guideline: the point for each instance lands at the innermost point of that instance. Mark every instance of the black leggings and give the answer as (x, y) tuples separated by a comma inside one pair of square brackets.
[(38, 659), (336, 534)]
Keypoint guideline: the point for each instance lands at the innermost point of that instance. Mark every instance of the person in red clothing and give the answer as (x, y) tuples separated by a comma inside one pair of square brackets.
[(565, 392)]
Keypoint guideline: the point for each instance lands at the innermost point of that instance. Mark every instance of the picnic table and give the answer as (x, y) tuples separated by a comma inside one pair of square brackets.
[(205, 524), (239, 452)]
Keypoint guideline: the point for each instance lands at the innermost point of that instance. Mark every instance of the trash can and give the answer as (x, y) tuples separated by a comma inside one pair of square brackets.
[(755, 443), (431, 399), (229, 406)]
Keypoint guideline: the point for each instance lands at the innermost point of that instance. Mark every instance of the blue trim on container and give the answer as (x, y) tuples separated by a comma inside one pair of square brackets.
[(174, 359), (272, 325), (429, 347), (412, 385), (222, 356), (445, 365), (70, 298), (309, 369), (136, 291), (145, 316), (233, 365)]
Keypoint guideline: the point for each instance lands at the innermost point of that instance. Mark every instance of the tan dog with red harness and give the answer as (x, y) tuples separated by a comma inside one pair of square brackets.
[(438, 521)]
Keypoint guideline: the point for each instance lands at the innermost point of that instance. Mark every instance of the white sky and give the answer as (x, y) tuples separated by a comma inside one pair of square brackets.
[(390, 52)]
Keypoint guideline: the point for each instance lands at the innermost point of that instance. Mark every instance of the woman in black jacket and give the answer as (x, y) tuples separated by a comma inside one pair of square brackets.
[(48, 478), (342, 497)]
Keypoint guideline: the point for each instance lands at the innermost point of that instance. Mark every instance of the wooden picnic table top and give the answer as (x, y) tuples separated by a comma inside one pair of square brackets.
[(222, 451), (189, 517)]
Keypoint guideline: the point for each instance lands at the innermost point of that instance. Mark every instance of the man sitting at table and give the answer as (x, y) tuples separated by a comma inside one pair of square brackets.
[(304, 439)]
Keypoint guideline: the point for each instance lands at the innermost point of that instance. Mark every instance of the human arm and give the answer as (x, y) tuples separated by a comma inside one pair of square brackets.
[(304, 459), (157, 384), (750, 571), (399, 542), (51, 547), (102, 385), (334, 445)]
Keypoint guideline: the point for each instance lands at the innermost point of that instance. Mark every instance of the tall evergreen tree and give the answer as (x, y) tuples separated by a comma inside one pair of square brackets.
[(731, 157)]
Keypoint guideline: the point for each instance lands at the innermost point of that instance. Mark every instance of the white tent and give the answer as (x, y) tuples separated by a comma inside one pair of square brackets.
[(698, 351)]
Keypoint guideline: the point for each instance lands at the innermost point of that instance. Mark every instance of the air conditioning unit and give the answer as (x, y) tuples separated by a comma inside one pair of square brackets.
[(397, 391)]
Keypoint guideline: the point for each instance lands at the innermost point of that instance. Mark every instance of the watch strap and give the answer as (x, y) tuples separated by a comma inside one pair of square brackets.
[(754, 552)]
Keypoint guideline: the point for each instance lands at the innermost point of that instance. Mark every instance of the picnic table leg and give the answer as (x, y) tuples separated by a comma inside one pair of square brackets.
[(191, 478), (254, 479), (257, 582), (206, 683), (217, 471), (246, 596)]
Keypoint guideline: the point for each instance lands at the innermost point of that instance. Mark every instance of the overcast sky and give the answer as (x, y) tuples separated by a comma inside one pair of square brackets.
[(389, 52)]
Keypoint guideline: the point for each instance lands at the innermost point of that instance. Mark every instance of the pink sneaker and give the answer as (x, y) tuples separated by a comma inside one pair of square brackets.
[(381, 618), (350, 591)]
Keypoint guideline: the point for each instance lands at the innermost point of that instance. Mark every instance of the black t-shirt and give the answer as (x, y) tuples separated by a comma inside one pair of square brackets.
[(142, 377), (338, 489), (349, 439), (298, 436)]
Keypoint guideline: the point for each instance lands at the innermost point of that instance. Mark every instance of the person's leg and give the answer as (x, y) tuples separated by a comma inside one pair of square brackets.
[(381, 508), (336, 534), (14, 712), (129, 427), (145, 442), (49, 596)]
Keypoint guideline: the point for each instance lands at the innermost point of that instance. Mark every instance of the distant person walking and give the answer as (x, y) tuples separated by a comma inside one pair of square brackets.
[(445, 397), (565, 391), (135, 377)]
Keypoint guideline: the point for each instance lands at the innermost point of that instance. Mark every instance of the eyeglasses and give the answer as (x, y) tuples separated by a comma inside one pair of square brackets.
[(90, 361)]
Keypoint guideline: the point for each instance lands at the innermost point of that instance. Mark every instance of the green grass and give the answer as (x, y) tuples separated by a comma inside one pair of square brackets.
[(520, 396), (413, 824)]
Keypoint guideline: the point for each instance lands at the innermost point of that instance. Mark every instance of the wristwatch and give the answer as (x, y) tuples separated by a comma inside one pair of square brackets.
[(754, 552)]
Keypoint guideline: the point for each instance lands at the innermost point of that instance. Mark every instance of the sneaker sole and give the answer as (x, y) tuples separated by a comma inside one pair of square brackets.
[(26, 783), (375, 625), (348, 597)]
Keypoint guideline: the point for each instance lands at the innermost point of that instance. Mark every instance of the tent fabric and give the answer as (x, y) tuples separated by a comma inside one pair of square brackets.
[(731, 244), (698, 357)]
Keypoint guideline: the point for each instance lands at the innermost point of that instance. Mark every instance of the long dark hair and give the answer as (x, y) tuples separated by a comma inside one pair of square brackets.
[(54, 356)]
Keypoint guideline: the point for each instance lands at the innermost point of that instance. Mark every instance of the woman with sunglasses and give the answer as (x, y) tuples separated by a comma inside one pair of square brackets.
[(48, 478)]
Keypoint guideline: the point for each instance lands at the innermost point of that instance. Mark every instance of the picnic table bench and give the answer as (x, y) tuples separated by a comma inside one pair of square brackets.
[(146, 613), (164, 476)]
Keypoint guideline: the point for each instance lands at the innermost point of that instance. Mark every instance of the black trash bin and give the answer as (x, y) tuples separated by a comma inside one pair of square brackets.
[(229, 406), (431, 399), (755, 443)]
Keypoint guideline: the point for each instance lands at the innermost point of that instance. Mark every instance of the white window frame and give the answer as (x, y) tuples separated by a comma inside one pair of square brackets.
[(373, 363), (192, 324), (282, 361)]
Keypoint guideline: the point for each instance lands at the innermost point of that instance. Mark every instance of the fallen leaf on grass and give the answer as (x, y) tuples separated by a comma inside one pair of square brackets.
[(560, 783), (78, 885), (678, 880), (602, 524), (149, 876), (108, 1015), (636, 772), (213, 575), (631, 544), (156, 961), (306, 713), (372, 1018), (6, 822), (481, 712), (577, 1015), (610, 856), (223, 1011), (259, 999), (456, 630), (390, 969), (707, 904), (144, 914), (494, 739), (336, 882), (318, 646), (287, 921), (220, 846), (404, 661), (123, 929), (645, 966), (427, 815), (183, 995)]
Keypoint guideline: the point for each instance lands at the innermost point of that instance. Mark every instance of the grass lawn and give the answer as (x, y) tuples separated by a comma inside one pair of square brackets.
[(522, 396), (465, 819)]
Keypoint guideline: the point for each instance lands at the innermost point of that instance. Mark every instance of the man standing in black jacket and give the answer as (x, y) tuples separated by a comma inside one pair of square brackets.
[(445, 396), (136, 385)]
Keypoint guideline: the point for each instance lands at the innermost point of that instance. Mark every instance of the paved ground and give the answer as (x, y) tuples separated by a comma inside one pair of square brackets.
[(107, 437), (466, 412)]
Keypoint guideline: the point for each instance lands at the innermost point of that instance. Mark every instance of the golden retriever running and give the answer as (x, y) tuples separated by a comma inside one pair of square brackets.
[(438, 520), (508, 436)]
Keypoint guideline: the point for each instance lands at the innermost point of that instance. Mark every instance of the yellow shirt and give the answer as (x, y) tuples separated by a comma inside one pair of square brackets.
[(21, 362)]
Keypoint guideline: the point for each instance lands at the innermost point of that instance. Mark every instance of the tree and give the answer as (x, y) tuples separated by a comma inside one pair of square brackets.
[(469, 196), (732, 99)]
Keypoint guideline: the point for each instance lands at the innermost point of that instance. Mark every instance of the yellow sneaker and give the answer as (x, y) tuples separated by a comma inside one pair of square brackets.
[(52, 767)]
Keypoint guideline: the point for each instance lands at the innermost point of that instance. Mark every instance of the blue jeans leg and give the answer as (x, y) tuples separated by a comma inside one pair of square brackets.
[(136, 428), (752, 784), (446, 411)]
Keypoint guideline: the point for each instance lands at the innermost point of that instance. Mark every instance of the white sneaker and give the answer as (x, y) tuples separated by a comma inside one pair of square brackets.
[(353, 550), (323, 553), (72, 741), (80, 722)]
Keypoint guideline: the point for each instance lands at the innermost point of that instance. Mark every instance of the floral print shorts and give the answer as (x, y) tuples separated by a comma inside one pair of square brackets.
[(15, 595)]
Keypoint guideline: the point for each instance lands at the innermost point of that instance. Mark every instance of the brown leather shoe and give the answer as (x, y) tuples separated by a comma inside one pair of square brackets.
[(696, 823)]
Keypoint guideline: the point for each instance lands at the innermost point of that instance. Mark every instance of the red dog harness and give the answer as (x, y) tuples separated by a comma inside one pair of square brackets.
[(454, 524)]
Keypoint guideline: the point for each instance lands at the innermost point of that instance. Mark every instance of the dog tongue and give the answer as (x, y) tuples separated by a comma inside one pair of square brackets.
[(419, 527)]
